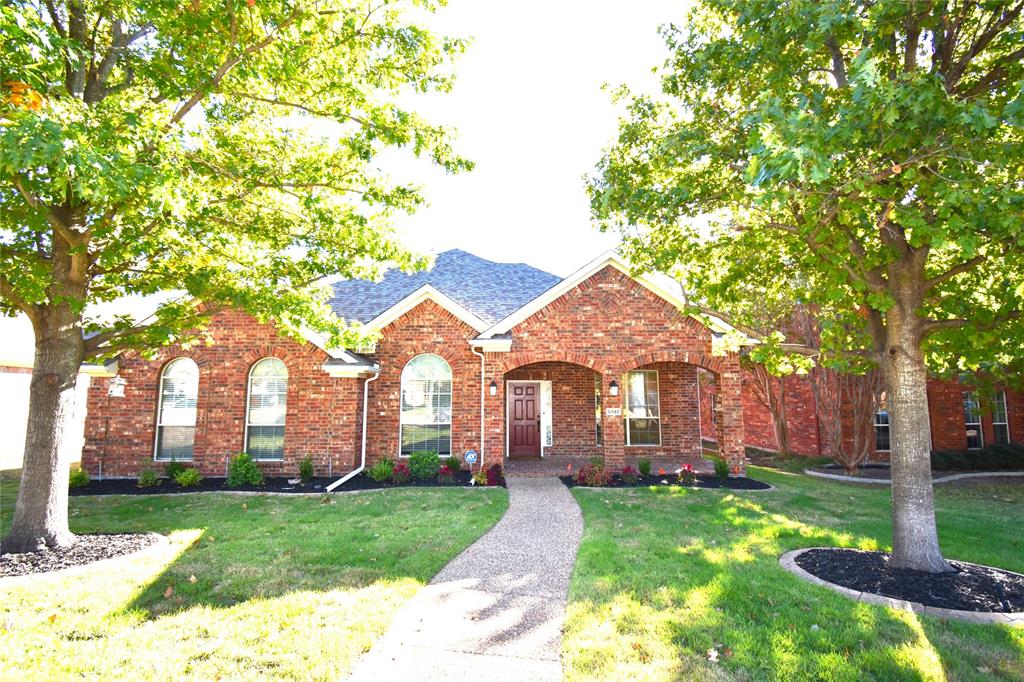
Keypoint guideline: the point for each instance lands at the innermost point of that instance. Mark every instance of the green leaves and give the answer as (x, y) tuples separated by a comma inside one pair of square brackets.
[(224, 152), (843, 154)]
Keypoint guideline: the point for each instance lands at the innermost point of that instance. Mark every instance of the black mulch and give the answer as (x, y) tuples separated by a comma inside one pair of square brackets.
[(130, 486), (968, 588), (87, 549), (703, 481)]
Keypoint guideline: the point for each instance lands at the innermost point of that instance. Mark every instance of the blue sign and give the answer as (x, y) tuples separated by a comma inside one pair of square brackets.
[(470, 456)]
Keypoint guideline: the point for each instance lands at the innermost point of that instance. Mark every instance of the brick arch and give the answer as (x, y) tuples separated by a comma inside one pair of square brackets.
[(713, 364), (513, 361), (253, 356), (407, 353)]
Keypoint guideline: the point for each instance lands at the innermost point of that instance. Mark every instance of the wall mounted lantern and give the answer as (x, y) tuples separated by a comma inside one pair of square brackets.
[(116, 387), (613, 387), (494, 388)]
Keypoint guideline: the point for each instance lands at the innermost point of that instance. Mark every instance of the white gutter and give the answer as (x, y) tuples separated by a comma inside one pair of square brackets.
[(483, 373), (362, 463)]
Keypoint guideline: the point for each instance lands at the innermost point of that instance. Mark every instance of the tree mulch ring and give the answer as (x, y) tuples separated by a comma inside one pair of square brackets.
[(86, 550), (272, 484), (666, 480), (968, 588)]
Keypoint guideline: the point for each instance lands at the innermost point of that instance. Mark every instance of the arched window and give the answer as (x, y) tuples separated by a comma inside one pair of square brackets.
[(265, 410), (176, 411), (426, 421)]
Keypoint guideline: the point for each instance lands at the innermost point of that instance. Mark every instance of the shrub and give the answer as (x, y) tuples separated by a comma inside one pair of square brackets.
[(479, 477), (188, 478), (173, 468), (721, 469), (148, 478), (629, 476), (243, 471), (381, 471), (594, 475), (424, 464), (644, 465), (454, 464), (993, 458), (400, 474), (78, 479), (687, 476), (306, 469), (446, 476), (495, 476)]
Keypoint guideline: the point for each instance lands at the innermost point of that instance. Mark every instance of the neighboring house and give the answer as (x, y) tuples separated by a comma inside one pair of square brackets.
[(499, 358)]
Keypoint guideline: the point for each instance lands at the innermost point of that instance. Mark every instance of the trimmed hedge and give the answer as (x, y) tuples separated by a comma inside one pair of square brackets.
[(993, 458)]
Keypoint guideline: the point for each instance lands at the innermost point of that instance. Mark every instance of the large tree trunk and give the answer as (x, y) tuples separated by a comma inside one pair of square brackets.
[(41, 512), (915, 541)]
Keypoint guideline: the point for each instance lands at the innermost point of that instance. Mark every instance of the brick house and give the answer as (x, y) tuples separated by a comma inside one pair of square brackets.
[(499, 358)]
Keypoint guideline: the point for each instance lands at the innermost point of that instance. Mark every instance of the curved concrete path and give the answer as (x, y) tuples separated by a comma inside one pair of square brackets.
[(495, 612)]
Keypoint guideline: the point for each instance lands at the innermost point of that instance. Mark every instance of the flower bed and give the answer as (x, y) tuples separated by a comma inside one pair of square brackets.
[(667, 480)]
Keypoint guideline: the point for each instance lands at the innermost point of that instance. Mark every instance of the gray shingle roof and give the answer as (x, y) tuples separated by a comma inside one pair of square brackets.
[(489, 290)]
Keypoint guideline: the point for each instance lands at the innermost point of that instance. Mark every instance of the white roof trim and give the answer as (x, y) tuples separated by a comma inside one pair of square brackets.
[(320, 341), (353, 371), (424, 293), (502, 345), (586, 272)]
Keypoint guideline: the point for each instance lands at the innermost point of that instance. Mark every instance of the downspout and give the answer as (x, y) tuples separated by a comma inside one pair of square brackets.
[(362, 462), (483, 371)]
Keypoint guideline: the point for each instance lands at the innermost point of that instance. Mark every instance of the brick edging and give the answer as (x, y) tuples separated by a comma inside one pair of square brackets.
[(1013, 619), (886, 481), (162, 542)]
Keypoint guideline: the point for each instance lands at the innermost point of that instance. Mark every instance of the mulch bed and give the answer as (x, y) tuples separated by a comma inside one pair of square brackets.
[(703, 481), (968, 588), (86, 550), (130, 486)]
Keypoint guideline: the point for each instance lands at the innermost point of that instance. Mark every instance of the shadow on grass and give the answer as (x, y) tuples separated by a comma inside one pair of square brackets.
[(686, 585)]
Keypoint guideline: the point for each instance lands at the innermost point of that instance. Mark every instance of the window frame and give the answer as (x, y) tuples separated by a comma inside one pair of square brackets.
[(160, 410), (981, 431), (626, 417), (883, 407), (248, 403), (1001, 395), (451, 395)]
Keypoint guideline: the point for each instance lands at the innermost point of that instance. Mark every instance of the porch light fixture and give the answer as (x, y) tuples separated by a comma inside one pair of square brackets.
[(613, 388), (494, 388), (116, 387)]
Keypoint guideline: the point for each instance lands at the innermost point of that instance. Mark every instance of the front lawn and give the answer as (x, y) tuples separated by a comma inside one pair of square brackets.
[(251, 587), (685, 584)]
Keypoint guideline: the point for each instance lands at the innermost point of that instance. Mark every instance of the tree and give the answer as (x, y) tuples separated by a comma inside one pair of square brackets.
[(221, 152), (871, 148)]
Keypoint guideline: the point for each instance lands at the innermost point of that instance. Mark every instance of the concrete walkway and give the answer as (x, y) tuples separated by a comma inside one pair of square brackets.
[(496, 611)]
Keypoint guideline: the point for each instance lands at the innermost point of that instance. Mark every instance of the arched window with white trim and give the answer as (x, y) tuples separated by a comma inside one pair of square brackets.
[(176, 411), (265, 409), (426, 419)]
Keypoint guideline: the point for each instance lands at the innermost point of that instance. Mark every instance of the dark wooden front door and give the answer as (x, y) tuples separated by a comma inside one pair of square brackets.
[(524, 420)]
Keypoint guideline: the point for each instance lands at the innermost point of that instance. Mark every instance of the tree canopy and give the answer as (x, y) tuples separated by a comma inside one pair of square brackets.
[(811, 149), (223, 151)]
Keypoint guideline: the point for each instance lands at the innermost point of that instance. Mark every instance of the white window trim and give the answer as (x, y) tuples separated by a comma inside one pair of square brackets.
[(888, 426), (401, 423), (248, 396), (1006, 416), (981, 430), (160, 411), (625, 411)]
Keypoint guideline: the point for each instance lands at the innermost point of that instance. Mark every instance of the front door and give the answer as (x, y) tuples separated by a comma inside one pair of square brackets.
[(524, 420)]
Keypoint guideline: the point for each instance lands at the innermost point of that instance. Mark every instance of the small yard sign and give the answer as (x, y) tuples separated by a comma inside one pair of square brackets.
[(470, 456), (614, 412)]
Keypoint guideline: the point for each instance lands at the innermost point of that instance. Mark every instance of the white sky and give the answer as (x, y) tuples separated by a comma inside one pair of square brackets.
[(530, 111)]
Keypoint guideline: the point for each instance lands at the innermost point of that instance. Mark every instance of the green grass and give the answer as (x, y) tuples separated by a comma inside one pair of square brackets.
[(251, 587), (663, 577)]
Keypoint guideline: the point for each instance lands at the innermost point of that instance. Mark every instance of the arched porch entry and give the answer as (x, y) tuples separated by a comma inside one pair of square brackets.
[(573, 408)]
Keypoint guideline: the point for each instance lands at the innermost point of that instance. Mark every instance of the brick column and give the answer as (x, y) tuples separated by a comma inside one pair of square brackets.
[(493, 438), (730, 437), (613, 427)]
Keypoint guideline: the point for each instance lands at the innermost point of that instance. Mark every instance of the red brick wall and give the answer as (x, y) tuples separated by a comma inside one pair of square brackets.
[(427, 328), (322, 419)]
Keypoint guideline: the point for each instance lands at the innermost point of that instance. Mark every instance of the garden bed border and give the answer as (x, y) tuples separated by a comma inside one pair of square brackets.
[(1013, 619), (941, 479), (162, 542)]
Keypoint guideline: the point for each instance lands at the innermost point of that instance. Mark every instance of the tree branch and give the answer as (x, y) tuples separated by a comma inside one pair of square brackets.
[(957, 323), (954, 271), (70, 236), (838, 63), (993, 28), (7, 291)]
